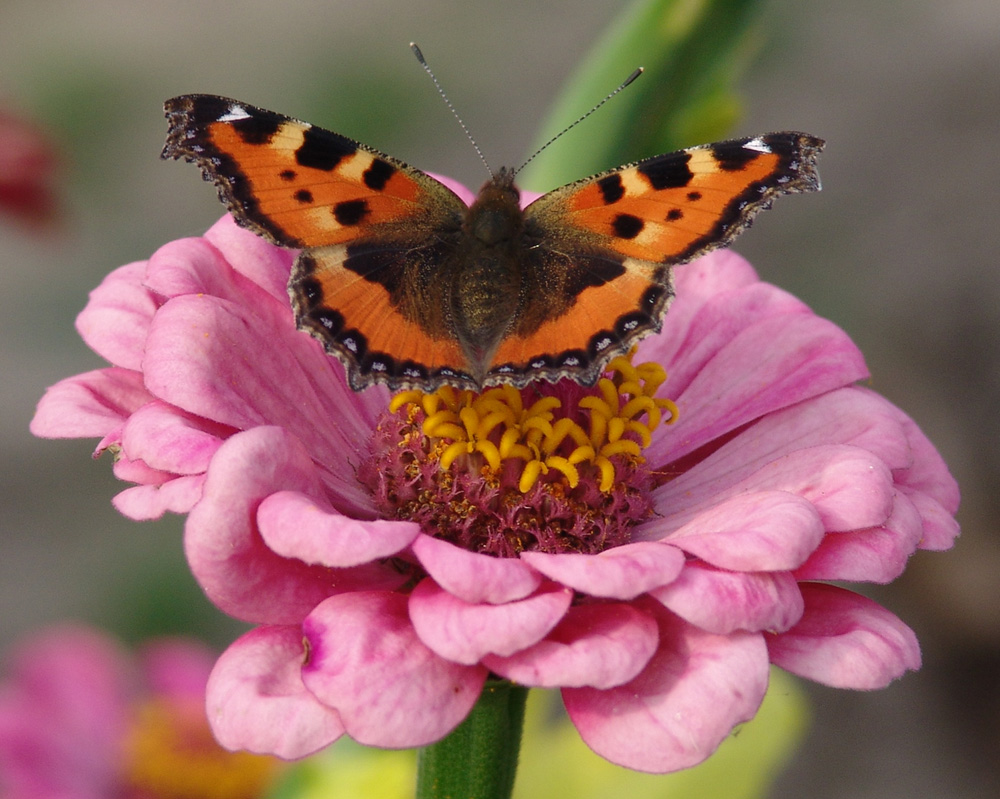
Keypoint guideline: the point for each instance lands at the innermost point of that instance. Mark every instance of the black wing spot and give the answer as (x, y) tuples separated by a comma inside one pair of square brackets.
[(378, 174), (694, 196), (287, 174), (732, 156), (671, 172), (350, 212), (627, 226), (304, 196), (674, 214), (611, 188), (320, 150)]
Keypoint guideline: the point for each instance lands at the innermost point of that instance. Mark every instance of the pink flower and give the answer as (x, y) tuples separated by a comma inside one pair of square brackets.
[(27, 165), (80, 719), (340, 528)]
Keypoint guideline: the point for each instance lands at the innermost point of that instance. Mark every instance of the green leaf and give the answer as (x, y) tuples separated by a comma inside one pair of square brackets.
[(692, 51)]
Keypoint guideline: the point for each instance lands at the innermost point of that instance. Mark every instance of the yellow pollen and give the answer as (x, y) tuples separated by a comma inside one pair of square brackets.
[(487, 431), (170, 754)]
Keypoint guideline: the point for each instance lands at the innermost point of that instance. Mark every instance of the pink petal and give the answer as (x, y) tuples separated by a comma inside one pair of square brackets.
[(389, 689), (875, 554), (624, 572), (176, 667), (256, 699), (465, 632), (723, 602), (940, 529), (762, 531), (600, 645), (744, 376), (146, 502), (89, 405), (849, 487), (298, 526), (473, 577), (250, 255), (221, 361), (234, 566), (846, 641), (170, 440), (115, 322), (694, 690)]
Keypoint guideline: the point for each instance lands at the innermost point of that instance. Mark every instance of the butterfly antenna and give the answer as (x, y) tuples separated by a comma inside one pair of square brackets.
[(447, 102), (569, 127)]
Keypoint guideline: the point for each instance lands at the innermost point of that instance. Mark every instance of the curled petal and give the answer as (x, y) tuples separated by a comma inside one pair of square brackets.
[(620, 573), (256, 699), (116, 320), (693, 691), (167, 439), (145, 502), (298, 526), (473, 577), (465, 632), (235, 567), (875, 554), (389, 689), (724, 602), (600, 645), (89, 405), (760, 531), (846, 641)]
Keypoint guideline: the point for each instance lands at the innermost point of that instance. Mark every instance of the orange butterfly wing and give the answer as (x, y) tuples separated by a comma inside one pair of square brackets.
[(608, 244), (369, 223)]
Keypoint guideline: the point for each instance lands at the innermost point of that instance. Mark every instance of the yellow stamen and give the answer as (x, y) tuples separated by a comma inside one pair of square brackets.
[(617, 423)]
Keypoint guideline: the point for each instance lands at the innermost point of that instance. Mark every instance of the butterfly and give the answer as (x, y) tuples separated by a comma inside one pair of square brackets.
[(410, 287)]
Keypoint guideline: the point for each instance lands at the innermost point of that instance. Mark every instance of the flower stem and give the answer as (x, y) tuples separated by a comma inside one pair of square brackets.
[(478, 759)]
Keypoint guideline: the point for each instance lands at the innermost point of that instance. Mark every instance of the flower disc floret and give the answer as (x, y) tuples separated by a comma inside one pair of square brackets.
[(550, 468)]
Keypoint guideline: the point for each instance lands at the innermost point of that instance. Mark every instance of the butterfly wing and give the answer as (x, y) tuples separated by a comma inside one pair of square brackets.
[(372, 228), (603, 247)]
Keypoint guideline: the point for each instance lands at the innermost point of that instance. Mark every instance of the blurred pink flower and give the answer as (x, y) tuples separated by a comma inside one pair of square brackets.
[(81, 719), (27, 165), (780, 475)]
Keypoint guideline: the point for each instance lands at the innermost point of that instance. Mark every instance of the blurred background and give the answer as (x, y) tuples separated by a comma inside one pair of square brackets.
[(897, 249)]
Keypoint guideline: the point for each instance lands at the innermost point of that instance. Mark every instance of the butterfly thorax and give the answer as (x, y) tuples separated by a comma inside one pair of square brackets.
[(486, 293)]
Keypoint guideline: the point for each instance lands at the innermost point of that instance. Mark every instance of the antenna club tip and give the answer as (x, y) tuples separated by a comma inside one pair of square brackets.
[(417, 53)]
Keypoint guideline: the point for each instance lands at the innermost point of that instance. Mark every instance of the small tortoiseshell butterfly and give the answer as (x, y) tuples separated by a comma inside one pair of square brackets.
[(410, 287)]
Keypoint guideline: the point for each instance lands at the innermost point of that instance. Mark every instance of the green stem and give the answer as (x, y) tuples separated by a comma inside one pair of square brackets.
[(478, 759)]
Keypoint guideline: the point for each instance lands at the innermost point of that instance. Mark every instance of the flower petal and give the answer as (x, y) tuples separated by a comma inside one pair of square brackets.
[(219, 360), (723, 601), (600, 645), (466, 632), (256, 699), (145, 502), (250, 255), (92, 404), (761, 531), (298, 526), (390, 690), (620, 573), (235, 567), (849, 487), (116, 320), (472, 577), (845, 640), (875, 554), (170, 440), (693, 691), (737, 366)]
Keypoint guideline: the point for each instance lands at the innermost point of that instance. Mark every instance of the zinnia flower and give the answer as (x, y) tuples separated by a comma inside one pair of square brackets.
[(81, 719), (393, 556)]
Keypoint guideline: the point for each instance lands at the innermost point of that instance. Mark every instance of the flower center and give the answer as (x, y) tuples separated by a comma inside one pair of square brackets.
[(551, 467), (170, 754)]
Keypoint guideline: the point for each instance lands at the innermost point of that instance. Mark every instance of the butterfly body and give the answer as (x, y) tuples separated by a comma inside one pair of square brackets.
[(410, 287)]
